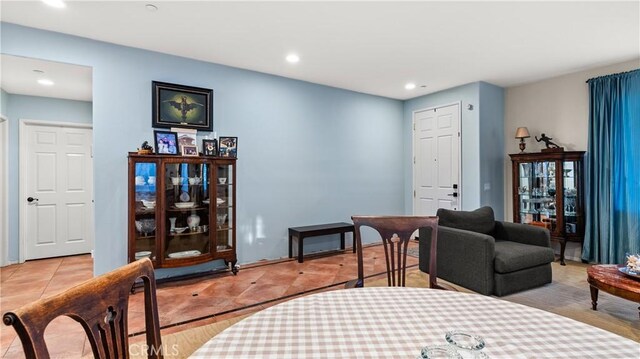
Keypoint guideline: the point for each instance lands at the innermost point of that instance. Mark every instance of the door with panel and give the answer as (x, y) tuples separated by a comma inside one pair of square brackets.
[(436, 159), (57, 172)]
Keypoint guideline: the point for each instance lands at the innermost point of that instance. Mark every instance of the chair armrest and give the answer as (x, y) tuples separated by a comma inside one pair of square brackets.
[(464, 258), (523, 233)]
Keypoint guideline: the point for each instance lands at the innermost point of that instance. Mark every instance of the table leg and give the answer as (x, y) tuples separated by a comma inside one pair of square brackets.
[(354, 241), (342, 241), (290, 246), (594, 297), (300, 238)]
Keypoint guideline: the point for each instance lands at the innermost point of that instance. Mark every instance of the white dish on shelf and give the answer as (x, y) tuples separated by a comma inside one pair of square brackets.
[(205, 201), (184, 204), (219, 201), (184, 254), (149, 204), (143, 254), (222, 248), (180, 229)]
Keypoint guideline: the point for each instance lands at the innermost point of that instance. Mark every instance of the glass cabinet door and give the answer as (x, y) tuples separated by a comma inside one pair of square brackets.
[(571, 204), (224, 208), (537, 193), (187, 210), (145, 210)]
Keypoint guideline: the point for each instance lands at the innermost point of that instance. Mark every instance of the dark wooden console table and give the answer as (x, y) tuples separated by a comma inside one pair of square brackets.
[(319, 230), (608, 278)]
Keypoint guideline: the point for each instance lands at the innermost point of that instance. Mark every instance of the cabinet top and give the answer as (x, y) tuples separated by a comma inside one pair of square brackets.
[(561, 155), (136, 155)]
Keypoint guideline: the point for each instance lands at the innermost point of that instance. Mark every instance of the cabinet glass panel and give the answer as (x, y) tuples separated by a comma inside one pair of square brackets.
[(145, 210), (537, 193), (224, 208), (187, 210), (571, 204)]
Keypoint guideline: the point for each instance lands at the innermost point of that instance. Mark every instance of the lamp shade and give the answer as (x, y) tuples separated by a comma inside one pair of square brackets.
[(522, 132)]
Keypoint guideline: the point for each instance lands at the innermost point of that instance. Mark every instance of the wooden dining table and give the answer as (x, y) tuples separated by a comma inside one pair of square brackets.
[(397, 322)]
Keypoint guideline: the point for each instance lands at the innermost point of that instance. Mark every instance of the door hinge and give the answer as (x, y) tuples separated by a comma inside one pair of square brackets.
[(458, 133), (414, 126), (414, 160), (414, 193)]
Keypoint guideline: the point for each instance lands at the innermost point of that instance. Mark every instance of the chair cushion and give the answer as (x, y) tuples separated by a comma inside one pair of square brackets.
[(480, 221), (513, 256)]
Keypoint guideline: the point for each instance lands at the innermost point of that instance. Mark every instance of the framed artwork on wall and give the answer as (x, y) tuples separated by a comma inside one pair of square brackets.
[(182, 106), (210, 147), (228, 147), (166, 142)]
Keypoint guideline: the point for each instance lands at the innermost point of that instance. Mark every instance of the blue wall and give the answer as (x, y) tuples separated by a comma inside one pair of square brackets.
[(307, 153), (21, 107), (492, 154)]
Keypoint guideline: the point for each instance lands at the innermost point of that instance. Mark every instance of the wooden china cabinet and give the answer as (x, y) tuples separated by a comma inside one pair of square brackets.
[(548, 191), (182, 209)]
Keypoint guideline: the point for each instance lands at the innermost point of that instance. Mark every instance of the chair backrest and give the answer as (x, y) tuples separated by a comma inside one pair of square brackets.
[(396, 232), (100, 305)]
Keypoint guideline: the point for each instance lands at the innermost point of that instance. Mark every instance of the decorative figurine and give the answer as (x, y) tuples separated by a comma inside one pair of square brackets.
[(547, 141), (145, 148)]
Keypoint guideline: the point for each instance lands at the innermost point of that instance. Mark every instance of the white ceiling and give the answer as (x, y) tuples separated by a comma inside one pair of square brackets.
[(71, 82), (370, 47)]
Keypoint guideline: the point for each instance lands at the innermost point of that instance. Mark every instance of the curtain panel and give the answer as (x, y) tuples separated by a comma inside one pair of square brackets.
[(612, 193)]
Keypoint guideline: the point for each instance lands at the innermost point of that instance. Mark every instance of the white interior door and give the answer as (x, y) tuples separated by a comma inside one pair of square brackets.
[(436, 159), (57, 181)]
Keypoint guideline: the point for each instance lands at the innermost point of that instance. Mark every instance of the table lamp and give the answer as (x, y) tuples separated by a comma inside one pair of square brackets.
[(522, 133)]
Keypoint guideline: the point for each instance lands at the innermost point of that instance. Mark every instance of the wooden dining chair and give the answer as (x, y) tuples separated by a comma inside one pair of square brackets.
[(396, 232), (100, 305)]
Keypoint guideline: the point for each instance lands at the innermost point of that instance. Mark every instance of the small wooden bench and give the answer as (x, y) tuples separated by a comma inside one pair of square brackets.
[(319, 230)]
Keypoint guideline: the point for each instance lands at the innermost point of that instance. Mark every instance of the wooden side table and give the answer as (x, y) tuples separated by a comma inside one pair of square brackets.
[(608, 278), (319, 230)]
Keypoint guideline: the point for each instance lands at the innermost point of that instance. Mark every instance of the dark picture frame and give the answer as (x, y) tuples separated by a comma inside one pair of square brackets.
[(182, 106), (188, 150), (210, 147), (228, 147), (166, 142)]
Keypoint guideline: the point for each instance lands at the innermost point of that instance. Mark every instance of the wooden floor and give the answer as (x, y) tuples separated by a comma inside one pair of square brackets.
[(219, 297)]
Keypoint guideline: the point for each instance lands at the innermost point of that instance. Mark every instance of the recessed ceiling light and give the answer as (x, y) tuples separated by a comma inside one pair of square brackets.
[(151, 7), (55, 3), (410, 86), (45, 82), (293, 58)]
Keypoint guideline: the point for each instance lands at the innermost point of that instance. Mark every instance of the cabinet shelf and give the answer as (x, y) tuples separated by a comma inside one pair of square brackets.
[(540, 172)]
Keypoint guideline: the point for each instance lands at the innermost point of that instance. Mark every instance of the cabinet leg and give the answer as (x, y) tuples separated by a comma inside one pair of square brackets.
[(235, 268), (342, 241), (594, 297), (563, 245)]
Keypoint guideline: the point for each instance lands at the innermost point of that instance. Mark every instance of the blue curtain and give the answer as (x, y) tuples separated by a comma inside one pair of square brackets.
[(612, 180)]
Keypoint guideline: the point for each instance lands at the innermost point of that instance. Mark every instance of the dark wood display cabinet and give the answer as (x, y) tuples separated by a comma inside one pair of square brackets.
[(548, 191), (182, 210)]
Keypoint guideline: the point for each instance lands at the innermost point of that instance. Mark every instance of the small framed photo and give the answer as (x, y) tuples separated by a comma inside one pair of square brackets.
[(166, 142), (210, 147), (188, 150), (228, 147)]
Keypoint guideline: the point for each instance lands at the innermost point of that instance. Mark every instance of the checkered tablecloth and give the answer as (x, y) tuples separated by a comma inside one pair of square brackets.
[(398, 322)]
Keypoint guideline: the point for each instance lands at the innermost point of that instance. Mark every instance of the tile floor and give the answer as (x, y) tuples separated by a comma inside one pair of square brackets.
[(182, 304)]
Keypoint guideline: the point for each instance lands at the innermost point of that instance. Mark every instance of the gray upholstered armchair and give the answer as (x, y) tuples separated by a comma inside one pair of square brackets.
[(487, 256)]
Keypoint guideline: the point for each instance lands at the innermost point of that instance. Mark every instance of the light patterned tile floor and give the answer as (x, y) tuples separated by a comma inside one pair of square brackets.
[(182, 304)]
